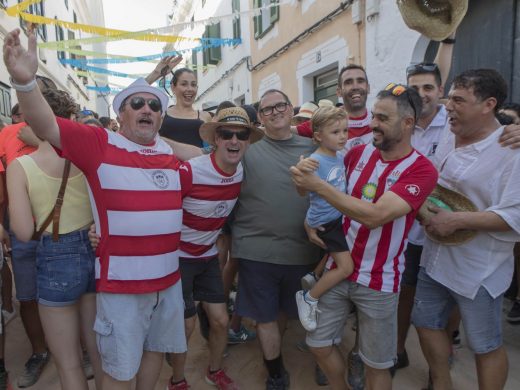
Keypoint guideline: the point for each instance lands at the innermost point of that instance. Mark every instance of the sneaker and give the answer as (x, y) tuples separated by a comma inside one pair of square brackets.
[(220, 380), (33, 369), (243, 335), (278, 383), (356, 371), (402, 360), (513, 316), (203, 321), (178, 386), (308, 281), (87, 366), (4, 381), (307, 311), (319, 376)]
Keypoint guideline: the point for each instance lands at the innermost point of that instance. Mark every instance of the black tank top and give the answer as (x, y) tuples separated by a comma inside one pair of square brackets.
[(182, 130)]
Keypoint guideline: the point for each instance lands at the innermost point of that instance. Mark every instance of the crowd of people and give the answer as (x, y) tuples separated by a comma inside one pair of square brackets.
[(124, 233)]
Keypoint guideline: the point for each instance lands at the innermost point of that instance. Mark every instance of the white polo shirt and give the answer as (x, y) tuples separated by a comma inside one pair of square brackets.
[(489, 175), (426, 141)]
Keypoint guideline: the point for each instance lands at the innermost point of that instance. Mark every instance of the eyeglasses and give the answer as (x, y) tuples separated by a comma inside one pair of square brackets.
[(398, 90), (226, 135), (280, 107), (422, 68), (138, 102)]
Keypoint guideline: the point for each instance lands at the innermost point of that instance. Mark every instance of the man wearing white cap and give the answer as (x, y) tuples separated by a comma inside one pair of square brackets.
[(135, 193)]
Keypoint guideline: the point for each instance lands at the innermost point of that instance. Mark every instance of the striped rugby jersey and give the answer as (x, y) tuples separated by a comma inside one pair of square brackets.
[(135, 195), (209, 195)]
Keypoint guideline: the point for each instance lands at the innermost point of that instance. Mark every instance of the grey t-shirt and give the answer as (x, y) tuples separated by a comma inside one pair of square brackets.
[(269, 216)]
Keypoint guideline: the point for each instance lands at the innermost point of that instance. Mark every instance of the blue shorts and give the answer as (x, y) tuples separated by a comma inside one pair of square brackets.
[(65, 269), (24, 268), (481, 316), (266, 289)]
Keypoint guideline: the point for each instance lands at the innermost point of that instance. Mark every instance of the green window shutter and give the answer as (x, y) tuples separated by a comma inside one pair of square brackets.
[(235, 5), (215, 53), (194, 58), (257, 20), (205, 52), (275, 12)]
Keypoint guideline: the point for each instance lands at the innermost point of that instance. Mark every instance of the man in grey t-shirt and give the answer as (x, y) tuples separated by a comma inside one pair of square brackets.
[(268, 235)]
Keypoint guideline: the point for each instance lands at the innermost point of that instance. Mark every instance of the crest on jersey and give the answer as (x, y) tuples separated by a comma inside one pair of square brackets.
[(160, 179), (221, 209), (413, 189)]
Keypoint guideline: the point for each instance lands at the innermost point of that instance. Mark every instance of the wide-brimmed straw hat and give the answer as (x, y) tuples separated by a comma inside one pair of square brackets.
[(234, 116), (307, 109), (436, 19), (452, 201)]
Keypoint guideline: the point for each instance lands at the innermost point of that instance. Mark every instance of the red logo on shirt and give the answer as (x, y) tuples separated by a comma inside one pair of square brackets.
[(413, 189)]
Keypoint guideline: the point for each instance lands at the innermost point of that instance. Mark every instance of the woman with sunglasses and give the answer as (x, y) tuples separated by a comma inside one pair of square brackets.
[(64, 257), (181, 122)]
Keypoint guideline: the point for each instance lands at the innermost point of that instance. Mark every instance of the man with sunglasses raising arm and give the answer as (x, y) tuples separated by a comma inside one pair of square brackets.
[(387, 183), (134, 182)]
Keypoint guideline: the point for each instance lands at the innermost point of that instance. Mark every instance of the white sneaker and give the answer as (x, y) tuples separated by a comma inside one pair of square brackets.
[(308, 281), (307, 311)]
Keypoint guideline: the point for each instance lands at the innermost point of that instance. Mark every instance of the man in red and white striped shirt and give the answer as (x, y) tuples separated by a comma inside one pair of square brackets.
[(210, 188), (387, 183)]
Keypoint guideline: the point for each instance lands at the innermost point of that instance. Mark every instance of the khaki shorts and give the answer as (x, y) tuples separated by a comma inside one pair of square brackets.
[(128, 324), (377, 322)]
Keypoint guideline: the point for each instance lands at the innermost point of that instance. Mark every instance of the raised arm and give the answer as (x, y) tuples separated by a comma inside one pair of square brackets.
[(165, 65), (444, 57), (22, 65)]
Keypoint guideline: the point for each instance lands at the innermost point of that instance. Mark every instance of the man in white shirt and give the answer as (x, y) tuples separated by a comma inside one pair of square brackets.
[(473, 275)]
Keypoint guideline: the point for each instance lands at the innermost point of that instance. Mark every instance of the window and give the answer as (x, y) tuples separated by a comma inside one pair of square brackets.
[(267, 18), (67, 4), (71, 37), (60, 36), (203, 3), (235, 7), (194, 59), (325, 85), (36, 9), (211, 55), (5, 103)]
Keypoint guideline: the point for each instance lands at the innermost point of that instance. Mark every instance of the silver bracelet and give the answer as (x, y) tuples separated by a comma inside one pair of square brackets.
[(25, 87)]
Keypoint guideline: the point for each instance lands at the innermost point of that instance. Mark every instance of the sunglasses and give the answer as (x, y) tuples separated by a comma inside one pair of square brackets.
[(422, 68), (398, 90), (226, 135), (280, 107), (138, 102)]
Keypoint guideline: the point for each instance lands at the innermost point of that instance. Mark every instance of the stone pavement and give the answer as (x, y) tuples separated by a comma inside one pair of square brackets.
[(244, 363)]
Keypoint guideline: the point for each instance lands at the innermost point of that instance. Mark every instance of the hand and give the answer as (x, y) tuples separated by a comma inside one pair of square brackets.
[(442, 222), (510, 137), (165, 65), (307, 164), (307, 181), (27, 136), (93, 237), (21, 64), (312, 233)]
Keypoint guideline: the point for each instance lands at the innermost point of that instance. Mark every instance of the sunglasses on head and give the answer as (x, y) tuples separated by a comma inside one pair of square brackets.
[(398, 90), (138, 102), (226, 134), (422, 68)]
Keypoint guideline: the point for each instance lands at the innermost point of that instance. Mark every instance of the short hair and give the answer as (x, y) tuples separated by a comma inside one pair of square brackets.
[(104, 120), (504, 119), (512, 106), (486, 83), (45, 83), (274, 90), (349, 67), (178, 73), (61, 103), (425, 68), (15, 110), (223, 105), (408, 103), (324, 115), (251, 113)]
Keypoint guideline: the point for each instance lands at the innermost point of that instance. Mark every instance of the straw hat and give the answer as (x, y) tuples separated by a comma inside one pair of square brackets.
[(325, 103), (436, 19), (234, 116), (307, 110), (452, 201)]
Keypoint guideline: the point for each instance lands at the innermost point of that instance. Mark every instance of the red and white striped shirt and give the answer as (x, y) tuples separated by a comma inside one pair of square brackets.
[(135, 195), (378, 253), (209, 195)]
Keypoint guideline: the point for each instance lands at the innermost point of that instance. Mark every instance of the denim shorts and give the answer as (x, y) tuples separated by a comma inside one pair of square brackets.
[(128, 324), (65, 269), (481, 316), (266, 289), (24, 268), (377, 322)]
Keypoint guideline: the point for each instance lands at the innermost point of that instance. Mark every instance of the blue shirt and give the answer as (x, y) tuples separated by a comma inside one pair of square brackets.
[(332, 170)]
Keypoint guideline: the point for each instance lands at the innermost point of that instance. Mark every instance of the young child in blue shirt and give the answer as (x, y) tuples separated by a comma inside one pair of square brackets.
[(329, 126)]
